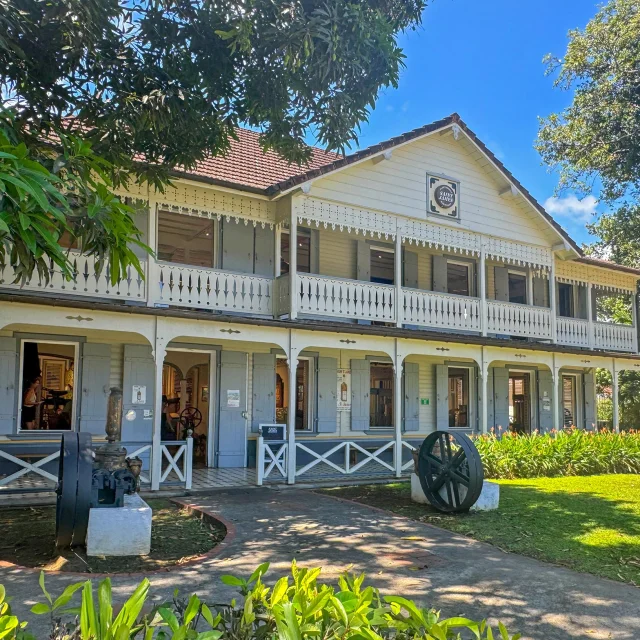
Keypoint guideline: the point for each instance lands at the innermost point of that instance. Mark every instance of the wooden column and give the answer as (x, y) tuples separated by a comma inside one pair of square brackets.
[(398, 280), (634, 316), (397, 411), (292, 357), (557, 390), (293, 262), (159, 353), (614, 391), (483, 290), (484, 387), (590, 317), (552, 300), (152, 235)]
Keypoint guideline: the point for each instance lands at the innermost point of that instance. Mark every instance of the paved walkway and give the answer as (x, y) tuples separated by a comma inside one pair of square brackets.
[(433, 566)]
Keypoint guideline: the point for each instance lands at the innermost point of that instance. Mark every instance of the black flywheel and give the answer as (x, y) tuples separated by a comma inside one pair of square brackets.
[(450, 471), (74, 489)]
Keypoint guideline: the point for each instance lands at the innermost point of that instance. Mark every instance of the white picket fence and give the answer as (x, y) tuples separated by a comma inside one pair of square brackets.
[(272, 458)]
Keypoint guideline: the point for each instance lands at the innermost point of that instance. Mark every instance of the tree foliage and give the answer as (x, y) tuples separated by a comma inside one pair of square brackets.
[(595, 145), (135, 89)]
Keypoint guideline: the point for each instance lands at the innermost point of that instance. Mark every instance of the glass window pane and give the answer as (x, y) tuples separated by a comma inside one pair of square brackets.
[(568, 400), (565, 300), (458, 279), (48, 380), (185, 239), (303, 408), (518, 288), (382, 266)]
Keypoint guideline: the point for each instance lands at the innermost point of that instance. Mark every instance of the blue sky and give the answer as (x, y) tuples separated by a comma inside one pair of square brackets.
[(483, 59)]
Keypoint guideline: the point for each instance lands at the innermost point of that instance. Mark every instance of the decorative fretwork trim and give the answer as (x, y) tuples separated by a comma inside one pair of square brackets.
[(344, 218), (578, 273), (440, 237), (517, 253), (192, 211)]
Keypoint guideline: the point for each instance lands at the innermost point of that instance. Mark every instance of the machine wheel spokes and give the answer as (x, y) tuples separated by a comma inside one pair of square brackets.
[(450, 471)]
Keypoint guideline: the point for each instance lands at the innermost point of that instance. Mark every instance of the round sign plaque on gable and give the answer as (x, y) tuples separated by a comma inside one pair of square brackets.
[(445, 196)]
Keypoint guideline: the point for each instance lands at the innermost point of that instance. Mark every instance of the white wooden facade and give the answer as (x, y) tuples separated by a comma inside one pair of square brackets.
[(336, 314)]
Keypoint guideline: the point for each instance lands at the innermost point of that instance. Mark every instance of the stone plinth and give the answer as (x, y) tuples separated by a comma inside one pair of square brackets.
[(488, 500), (489, 497), (121, 531)]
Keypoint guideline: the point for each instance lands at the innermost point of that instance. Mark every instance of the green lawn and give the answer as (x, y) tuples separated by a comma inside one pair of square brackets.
[(588, 523)]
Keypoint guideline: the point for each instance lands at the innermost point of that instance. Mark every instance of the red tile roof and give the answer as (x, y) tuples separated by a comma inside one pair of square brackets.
[(246, 165)]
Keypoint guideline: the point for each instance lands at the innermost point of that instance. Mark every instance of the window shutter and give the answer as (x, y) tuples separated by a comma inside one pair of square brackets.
[(590, 408), (440, 274), (442, 397), (501, 397), (360, 390), (501, 279), (264, 251), (410, 269), (139, 369), (263, 406), (8, 385), (411, 396), (539, 286), (96, 371), (545, 385), (237, 246), (327, 377), (232, 423), (363, 261)]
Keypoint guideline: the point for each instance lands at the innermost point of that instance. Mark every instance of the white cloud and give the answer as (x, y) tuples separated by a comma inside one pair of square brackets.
[(571, 207)]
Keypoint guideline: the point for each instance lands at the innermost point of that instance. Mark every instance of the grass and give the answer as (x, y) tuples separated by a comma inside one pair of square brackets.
[(176, 536), (587, 523)]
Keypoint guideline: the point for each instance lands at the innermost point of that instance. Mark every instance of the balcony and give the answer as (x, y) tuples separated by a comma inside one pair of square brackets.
[(88, 281), (327, 298)]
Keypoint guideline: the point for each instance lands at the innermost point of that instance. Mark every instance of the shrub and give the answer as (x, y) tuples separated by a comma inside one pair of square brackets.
[(297, 607), (571, 452)]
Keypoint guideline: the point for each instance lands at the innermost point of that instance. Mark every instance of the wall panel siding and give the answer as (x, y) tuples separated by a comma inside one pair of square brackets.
[(398, 186), (337, 253)]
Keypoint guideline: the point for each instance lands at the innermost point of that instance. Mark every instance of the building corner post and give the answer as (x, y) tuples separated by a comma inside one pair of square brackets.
[(159, 353), (398, 280), (483, 289), (293, 262), (590, 318), (555, 375), (552, 300), (484, 387), (397, 410), (292, 357), (614, 392)]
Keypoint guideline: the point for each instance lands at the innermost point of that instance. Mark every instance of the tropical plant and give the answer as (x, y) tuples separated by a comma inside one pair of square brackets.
[(45, 193), (571, 452), (296, 607)]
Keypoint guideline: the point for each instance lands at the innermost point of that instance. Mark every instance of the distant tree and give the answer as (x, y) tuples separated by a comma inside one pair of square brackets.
[(595, 146), (147, 86)]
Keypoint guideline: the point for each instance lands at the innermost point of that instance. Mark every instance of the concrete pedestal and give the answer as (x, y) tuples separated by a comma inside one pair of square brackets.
[(417, 494), (488, 500), (489, 497), (124, 531)]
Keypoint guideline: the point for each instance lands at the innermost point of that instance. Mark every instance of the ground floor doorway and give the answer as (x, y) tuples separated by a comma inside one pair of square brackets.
[(520, 406), (187, 406)]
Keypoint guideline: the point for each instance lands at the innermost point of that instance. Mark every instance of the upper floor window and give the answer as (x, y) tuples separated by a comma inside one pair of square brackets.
[(185, 239), (382, 265), (565, 300), (517, 287), (459, 278), (303, 254)]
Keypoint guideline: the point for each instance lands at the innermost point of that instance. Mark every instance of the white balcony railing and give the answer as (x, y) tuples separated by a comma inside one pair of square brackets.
[(573, 332), (440, 310), (614, 337), (211, 289), (88, 280), (326, 296), (518, 320)]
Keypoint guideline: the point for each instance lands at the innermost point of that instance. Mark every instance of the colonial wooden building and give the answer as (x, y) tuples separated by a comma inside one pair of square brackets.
[(362, 301)]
